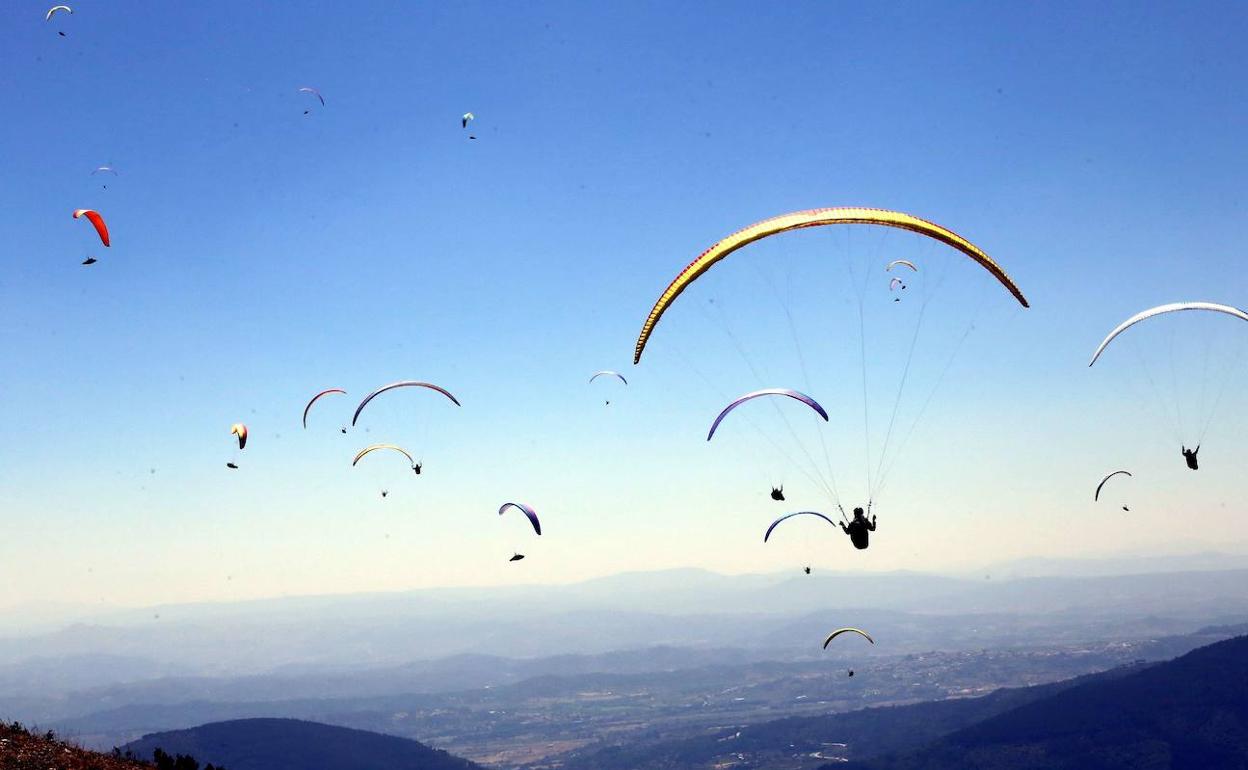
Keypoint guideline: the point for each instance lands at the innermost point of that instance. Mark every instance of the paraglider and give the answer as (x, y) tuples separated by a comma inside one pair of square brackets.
[(516, 557), (608, 373), (905, 262), (813, 218), (777, 493), (467, 118), (527, 511), (315, 399), (400, 384), (314, 92), (859, 529), (894, 285), (793, 394), (1173, 307), (240, 430), (807, 570), (1096, 496), (774, 524), (1190, 456), (1200, 414), (847, 630), (96, 221), (373, 448), (56, 9)]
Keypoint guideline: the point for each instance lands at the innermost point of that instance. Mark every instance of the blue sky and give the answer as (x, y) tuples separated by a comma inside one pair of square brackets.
[(261, 254)]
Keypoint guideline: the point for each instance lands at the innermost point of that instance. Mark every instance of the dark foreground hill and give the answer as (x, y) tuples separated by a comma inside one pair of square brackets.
[(1190, 713), (21, 749), (291, 744)]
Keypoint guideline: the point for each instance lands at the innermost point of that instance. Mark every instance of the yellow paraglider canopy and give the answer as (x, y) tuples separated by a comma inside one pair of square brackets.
[(814, 218), (840, 631)]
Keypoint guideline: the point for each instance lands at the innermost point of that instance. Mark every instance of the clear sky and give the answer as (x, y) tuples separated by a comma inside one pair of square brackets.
[(261, 254)]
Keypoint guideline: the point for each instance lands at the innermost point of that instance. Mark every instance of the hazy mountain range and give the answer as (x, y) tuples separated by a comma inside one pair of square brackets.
[(514, 675)]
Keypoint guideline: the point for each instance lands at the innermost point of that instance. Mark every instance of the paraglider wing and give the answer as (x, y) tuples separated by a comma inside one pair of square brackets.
[(314, 92), (805, 399), (467, 118), (894, 283), (775, 523), (608, 373), (527, 511), (1173, 307), (1097, 495), (240, 430), (840, 631), (813, 218), (401, 384), (52, 11), (104, 169), (905, 262), (314, 399), (97, 221), (375, 447)]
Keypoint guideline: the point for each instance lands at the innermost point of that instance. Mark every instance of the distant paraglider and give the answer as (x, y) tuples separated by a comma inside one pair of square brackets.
[(787, 516), (57, 9), (847, 630), (527, 511), (96, 221), (240, 430), (777, 493), (315, 399), (369, 449), (608, 373), (516, 557), (894, 285), (903, 262), (89, 261), (1096, 496), (401, 384), (793, 394), (314, 92), (467, 118)]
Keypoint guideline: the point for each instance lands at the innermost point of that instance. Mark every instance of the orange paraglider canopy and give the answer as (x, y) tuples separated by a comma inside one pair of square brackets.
[(97, 221)]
